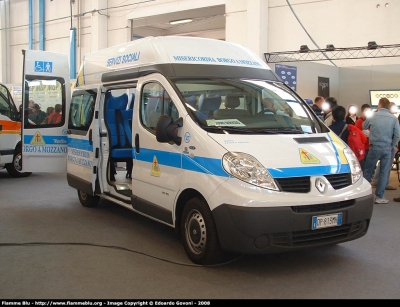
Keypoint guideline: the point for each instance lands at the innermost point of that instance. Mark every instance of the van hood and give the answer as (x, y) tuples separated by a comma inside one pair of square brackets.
[(291, 155)]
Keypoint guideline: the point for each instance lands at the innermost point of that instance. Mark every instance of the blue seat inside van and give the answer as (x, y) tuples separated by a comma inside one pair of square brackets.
[(119, 127), (207, 105)]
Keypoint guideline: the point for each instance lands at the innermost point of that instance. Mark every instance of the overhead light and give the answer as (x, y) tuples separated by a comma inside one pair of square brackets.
[(372, 45), (175, 22), (304, 48), (330, 47)]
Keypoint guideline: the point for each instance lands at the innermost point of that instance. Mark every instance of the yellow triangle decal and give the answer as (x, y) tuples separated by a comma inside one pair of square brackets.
[(155, 168), (37, 139), (307, 158)]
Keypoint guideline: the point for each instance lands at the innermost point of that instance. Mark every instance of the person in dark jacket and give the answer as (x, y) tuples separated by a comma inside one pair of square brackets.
[(317, 107), (338, 123), (37, 115)]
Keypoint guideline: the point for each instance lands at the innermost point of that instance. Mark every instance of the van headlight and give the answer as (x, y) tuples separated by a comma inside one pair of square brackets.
[(247, 168), (355, 168)]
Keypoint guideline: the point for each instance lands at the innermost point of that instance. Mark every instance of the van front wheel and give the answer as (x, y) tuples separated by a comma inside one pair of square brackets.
[(88, 200), (15, 167), (199, 233)]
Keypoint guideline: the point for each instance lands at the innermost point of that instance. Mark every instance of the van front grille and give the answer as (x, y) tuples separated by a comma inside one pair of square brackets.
[(339, 181), (295, 184)]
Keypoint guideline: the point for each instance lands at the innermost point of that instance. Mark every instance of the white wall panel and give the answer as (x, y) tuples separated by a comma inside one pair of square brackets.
[(355, 82)]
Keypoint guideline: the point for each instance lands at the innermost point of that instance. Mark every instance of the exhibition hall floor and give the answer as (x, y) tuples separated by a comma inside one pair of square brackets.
[(110, 252)]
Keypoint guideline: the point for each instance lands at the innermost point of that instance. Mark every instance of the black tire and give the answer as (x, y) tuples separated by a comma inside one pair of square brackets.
[(199, 233), (14, 168), (88, 200)]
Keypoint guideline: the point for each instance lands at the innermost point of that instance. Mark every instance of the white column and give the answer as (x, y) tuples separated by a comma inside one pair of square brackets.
[(247, 24), (99, 26), (3, 42)]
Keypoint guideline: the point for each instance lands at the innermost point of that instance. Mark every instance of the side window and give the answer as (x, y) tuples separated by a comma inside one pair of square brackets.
[(7, 107), (154, 102), (45, 102), (82, 109)]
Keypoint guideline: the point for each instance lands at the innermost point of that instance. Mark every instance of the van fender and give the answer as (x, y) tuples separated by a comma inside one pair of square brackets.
[(195, 184)]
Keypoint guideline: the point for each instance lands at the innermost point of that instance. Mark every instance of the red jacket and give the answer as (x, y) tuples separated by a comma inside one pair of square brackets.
[(359, 124), (54, 118)]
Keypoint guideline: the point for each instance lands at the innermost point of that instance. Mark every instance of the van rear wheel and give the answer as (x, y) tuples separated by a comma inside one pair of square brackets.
[(88, 200), (199, 233), (15, 167)]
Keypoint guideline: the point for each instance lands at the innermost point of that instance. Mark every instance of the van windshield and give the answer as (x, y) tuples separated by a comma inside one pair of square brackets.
[(247, 106)]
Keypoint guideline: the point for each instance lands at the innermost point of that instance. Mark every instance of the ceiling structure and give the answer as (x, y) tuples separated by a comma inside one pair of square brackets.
[(206, 22), (332, 53)]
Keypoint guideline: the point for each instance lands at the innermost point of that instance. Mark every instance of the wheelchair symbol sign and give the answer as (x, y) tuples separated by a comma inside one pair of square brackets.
[(43, 66)]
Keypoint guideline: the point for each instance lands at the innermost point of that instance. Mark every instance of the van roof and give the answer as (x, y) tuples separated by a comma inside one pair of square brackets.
[(173, 56)]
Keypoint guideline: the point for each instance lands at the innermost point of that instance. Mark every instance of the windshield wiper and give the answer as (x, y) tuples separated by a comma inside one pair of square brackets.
[(233, 129), (279, 131), (257, 130)]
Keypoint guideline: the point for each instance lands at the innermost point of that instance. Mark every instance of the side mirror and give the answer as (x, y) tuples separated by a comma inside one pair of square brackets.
[(165, 129)]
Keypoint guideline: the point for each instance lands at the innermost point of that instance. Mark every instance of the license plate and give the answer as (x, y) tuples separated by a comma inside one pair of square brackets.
[(324, 221)]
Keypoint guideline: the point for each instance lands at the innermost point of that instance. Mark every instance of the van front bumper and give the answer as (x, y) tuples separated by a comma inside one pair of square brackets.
[(255, 230)]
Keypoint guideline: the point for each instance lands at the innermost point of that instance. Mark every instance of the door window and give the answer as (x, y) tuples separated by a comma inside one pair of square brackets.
[(154, 102), (82, 109), (44, 102)]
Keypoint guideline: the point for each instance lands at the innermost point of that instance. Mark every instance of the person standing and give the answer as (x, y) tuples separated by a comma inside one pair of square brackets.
[(366, 112), (351, 116), (338, 124), (317, 107), (330, 103), (383, 137), (374, 182)]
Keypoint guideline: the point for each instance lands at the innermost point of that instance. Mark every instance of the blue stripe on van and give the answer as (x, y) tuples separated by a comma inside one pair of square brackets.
[(197, 164), (213, 166), (334, 148), (204, 165), (48, 139), (163, 157), (80, 144)]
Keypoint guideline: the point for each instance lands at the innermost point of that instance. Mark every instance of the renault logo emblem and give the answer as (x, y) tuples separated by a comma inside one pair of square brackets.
[(320, 185)]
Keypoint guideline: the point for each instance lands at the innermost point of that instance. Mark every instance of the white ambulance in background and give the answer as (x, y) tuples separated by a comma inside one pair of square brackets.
[(10, 135), (222, 150)]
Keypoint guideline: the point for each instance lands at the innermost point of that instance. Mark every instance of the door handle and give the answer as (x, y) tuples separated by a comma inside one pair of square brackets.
[(137, 146), (90, 137)]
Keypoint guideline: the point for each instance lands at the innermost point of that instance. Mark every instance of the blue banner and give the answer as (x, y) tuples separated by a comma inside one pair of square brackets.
[(288, 75)]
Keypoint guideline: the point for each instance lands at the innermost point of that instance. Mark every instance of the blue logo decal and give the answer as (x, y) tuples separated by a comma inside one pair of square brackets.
[(187, 137), (43, 66)]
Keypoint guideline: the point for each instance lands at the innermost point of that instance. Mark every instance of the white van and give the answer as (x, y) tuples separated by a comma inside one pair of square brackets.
[(222, 150), (10, 135)]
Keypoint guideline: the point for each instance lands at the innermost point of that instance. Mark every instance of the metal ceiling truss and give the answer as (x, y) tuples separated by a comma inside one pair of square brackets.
[(332, 53)]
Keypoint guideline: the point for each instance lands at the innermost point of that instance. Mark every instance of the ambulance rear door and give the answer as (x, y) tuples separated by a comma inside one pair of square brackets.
[(46, 95)]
